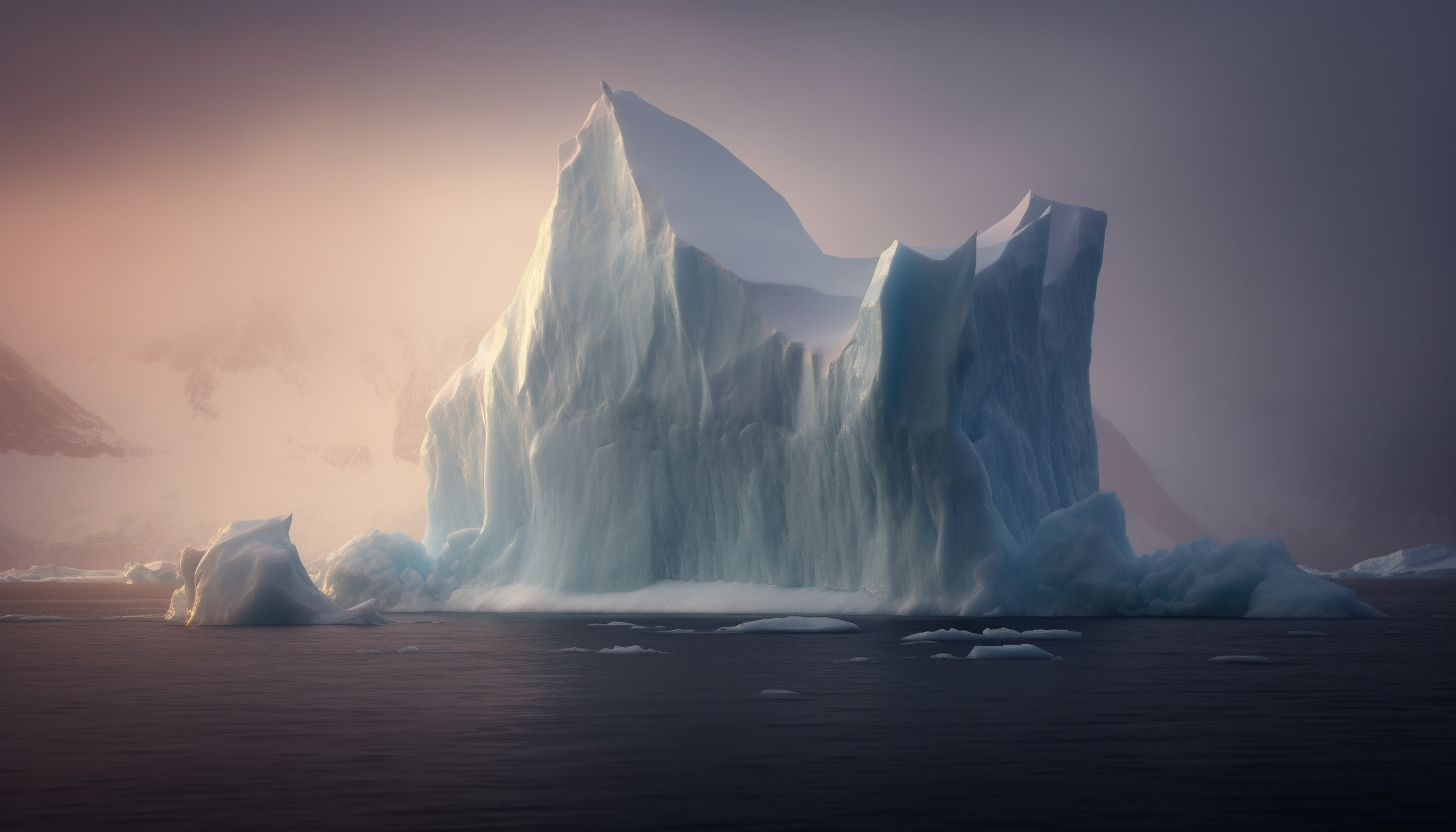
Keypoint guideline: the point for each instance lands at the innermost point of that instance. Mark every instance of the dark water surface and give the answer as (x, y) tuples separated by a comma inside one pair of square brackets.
[(131, 724)]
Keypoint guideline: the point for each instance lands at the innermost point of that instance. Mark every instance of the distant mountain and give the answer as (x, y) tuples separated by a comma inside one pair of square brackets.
[(38, 418), (1154, 520)]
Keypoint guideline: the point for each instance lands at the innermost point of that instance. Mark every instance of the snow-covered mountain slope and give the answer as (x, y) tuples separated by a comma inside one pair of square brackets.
[(38, 418), (641, 421), (1154, 519), (253, 411)]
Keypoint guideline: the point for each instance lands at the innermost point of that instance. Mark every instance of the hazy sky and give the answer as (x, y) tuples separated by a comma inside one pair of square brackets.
[(1277, 296)]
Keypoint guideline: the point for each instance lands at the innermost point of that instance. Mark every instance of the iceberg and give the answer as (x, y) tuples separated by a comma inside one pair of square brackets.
[(1430, 561), (250, 574), (792, 624), (153, 572), (52, 573), (989, 634), (686, 393), (389, 568)]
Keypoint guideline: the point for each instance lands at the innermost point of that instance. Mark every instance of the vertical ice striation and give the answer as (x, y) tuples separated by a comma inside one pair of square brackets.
[(686, 388)]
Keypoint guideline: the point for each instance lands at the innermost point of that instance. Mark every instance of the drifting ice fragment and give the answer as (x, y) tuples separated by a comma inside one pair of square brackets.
[(777, 694), (1245, 660), (251, 574), (1307, 633), (990, 634), (1009, 651), (630, 650), (155, 572), (792, 624), (60, 574)]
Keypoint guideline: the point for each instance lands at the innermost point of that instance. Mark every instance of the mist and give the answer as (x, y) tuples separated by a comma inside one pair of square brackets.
[(1273, 316)]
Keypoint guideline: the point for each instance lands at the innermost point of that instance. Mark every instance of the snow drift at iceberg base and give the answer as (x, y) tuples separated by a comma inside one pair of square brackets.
[(250, 574), (687, 401)]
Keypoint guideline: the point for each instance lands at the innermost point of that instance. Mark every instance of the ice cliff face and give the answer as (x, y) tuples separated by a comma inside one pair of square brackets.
[(685, 388)]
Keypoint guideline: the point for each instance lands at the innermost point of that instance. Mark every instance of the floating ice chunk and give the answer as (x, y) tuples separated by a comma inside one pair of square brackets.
[(1009, 651), (678, 631), (52, 573), (855, 660), (572, 650), (630, 650), (32, 619), (1245, 660), (251, 574), (772, 693), (389, 568), (154, 572), (990, 634), (614, 624), (409, 650), (1306, 633), (793, 624), (944, 656)]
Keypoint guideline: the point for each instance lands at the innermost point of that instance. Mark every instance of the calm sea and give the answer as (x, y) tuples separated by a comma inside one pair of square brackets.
[(137, 724)]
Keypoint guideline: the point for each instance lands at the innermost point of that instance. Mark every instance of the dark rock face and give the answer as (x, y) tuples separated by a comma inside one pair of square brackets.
[(38, 418)]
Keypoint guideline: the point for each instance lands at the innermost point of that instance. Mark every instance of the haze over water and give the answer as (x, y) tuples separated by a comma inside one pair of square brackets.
[(123, 725)]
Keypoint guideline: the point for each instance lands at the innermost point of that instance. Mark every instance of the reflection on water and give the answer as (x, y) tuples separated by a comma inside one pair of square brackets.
[(108, 724)]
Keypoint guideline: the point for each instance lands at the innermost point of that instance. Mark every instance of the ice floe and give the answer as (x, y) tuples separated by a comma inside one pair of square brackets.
[(793, 624), (1009, 651), (990, 634)]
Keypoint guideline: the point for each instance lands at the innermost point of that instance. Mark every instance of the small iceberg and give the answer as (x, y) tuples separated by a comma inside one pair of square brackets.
[(778, 694), (410, 649), (793, 624), (1009, 651), (1306, 633), (616, 624), (945, 656), (51, 573), (855, 660), (251, 574), (990, 634), (35, 619), (631, 650), (1245, 660), (155, 572)]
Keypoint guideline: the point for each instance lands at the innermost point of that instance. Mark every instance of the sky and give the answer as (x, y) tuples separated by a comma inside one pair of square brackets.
[(1274, 318)]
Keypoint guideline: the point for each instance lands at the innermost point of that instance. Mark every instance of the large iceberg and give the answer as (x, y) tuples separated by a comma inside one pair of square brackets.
[(251, 574), (686, 389)]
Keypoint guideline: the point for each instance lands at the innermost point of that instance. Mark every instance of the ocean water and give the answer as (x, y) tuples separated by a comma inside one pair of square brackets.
[(127, 724)]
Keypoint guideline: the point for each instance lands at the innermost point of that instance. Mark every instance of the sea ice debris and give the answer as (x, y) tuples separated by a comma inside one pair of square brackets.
[(1009, 651), (793, 624), (630, 650)]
